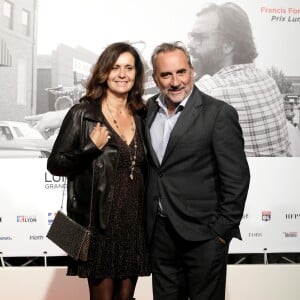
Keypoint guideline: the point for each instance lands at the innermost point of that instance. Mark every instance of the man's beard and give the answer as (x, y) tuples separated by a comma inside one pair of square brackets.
[(207, 64)]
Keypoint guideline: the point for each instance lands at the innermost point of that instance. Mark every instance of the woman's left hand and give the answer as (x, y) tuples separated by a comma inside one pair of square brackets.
[(100, 136)]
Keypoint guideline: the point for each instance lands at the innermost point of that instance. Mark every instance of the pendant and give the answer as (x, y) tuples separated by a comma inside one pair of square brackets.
[(131, 176)]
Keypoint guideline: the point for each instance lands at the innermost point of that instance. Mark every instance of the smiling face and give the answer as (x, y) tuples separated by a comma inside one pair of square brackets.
[(173, 76), (121, 77)]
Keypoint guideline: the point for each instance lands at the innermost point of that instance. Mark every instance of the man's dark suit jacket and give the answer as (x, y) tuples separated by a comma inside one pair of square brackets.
[(203, 179)]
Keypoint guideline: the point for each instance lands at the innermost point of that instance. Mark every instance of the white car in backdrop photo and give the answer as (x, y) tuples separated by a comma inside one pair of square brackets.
[(20, 140)]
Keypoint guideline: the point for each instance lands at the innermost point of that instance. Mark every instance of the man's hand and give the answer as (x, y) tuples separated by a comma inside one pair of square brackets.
[(48, 122)]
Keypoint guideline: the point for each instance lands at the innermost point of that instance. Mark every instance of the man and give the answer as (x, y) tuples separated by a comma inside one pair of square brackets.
[(222, 46), (198, 182)]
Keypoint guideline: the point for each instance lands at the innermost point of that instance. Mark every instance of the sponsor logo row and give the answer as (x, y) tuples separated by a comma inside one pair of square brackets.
[(31, 218), (249, 235), (266, 215), (30, 237), (285, 234)]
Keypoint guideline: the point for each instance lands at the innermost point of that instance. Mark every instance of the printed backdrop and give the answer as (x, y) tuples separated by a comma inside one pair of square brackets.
[(271, 220), (30, 196)]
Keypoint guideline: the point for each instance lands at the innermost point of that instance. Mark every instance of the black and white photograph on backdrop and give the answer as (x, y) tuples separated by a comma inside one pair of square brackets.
[(234, 58)]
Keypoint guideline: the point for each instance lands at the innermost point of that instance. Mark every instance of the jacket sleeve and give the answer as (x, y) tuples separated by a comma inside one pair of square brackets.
[(71, 152), (233, 172)]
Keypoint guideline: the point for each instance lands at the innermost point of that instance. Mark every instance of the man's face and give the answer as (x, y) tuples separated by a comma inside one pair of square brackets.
[(205, 45), (173, 76)]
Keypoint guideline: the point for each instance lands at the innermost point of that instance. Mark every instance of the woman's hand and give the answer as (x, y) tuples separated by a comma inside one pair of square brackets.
[(100, 136)]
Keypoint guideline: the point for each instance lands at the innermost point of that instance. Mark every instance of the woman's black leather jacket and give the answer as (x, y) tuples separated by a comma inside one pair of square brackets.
[(75, 155)]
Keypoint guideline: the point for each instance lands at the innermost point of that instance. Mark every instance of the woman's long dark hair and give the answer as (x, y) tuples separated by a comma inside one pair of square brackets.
[(97, 83)]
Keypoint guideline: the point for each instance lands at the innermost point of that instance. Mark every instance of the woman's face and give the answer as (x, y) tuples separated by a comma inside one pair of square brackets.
[(121, 78)]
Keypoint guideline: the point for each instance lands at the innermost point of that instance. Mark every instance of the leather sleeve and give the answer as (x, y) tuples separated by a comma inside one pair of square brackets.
[(73, 149)]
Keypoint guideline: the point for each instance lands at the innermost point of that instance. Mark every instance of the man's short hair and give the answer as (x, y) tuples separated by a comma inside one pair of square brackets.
[(169, 47)]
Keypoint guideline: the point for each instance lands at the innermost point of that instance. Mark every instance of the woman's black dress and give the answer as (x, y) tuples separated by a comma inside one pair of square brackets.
[(121, 251)]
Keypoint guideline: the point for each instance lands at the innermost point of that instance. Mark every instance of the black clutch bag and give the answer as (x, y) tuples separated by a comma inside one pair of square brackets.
[(70, 236)]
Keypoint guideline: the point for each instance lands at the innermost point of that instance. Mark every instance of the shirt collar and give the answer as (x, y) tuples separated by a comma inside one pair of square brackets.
[(162, 103)]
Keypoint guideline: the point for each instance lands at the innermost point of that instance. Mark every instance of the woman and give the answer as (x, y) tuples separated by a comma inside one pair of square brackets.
[(100, 141)]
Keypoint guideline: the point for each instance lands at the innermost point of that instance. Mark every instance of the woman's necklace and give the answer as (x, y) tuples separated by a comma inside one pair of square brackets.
[(132, 156)]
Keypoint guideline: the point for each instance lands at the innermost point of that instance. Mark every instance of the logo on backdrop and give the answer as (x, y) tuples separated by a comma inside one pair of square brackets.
[(292, 216), (51, 216), (291, 234), (36, 237), (5, 238), (245, 216), (54, 182), (266, 215), (255, 234), (26, 219)]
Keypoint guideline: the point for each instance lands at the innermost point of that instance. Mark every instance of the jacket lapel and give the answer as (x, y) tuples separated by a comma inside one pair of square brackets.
[(152, 110), (184, 123), (93, 111)]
